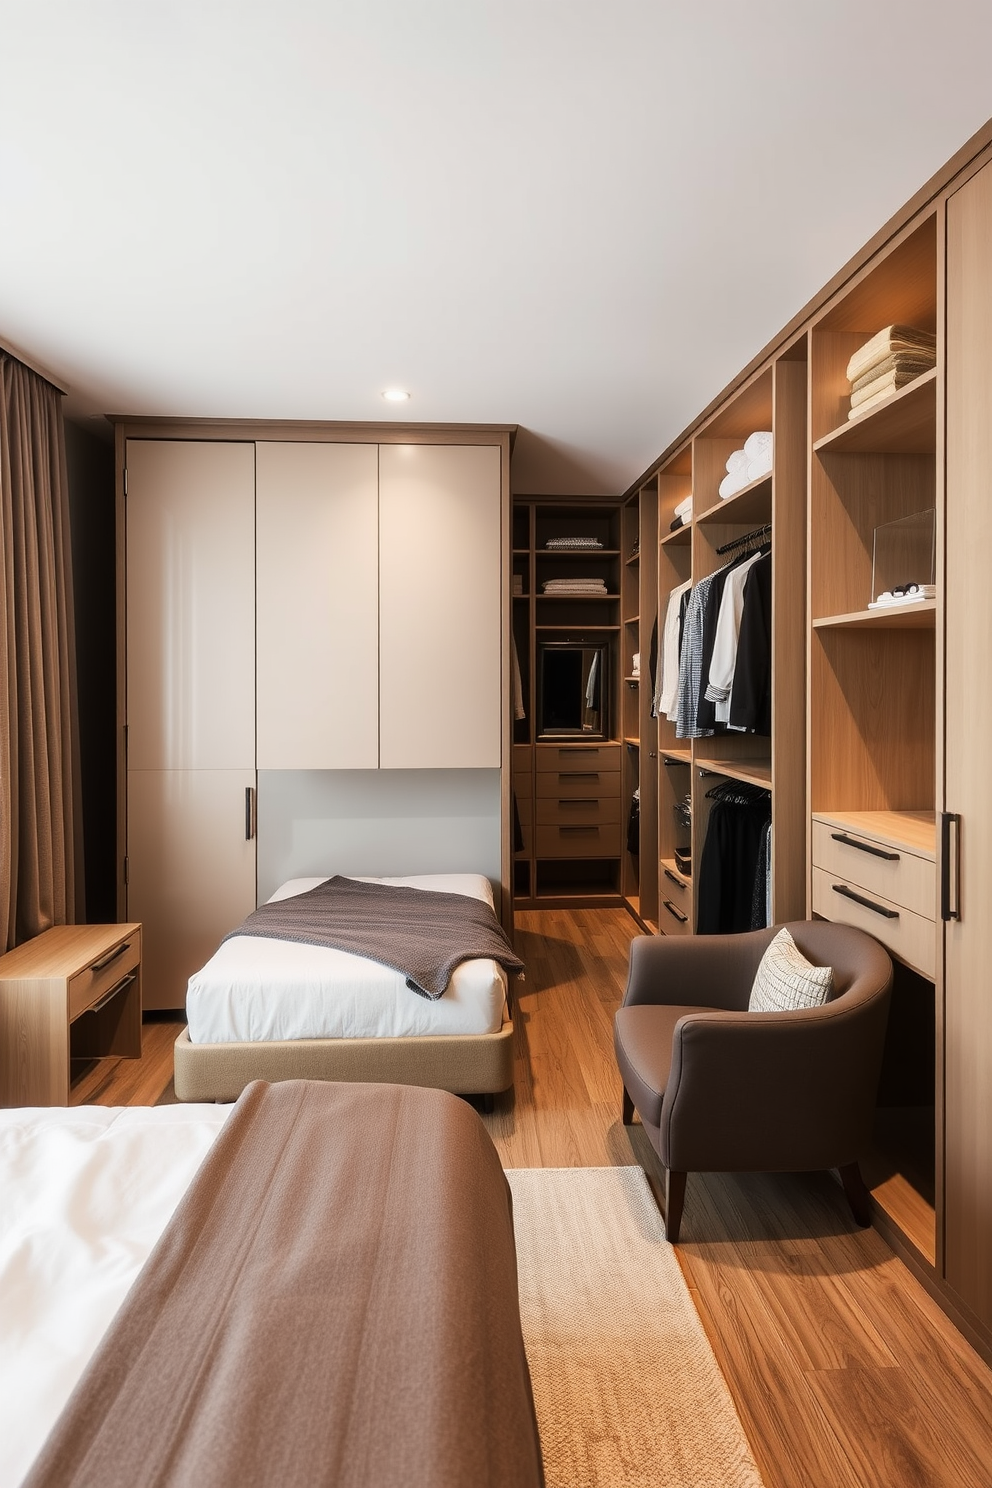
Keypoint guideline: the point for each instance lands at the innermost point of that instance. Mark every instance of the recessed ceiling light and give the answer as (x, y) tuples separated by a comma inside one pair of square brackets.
[(396, 395)]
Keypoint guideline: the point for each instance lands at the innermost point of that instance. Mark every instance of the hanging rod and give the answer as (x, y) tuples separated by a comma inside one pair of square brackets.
[(737, 542)]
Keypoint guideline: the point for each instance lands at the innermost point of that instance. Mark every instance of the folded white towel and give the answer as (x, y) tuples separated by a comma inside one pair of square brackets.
[(922, 591), (759, 467), (737, 463), (758, 447), (890, 339), (731, 484), (684, 508)]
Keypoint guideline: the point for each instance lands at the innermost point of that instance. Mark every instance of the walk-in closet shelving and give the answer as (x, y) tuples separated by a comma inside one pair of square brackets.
[(873, 688), (640, 735), (567, 785)]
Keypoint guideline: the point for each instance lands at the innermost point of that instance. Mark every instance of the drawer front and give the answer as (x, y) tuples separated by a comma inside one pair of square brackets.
[(901, 877), (87, 987), (578, 841), (578, 757), (552, 810), (909, 936), (523, 758), (674, 914), (579, 783)]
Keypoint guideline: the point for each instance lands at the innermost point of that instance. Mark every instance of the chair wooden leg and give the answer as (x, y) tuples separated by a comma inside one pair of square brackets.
[(674, 1199), (857, 1194), (627, 1109)]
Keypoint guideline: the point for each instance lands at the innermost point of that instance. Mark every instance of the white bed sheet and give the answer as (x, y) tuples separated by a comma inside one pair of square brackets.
[(258, 990), (84, 1195)]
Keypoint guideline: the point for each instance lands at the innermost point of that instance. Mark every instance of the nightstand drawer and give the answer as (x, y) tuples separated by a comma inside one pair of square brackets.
[(87, 987)]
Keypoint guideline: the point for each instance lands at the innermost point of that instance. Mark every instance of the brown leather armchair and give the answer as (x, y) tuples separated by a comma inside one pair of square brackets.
[(719, 1089)]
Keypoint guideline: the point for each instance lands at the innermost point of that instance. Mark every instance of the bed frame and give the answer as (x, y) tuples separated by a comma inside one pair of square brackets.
[(465, 1064)]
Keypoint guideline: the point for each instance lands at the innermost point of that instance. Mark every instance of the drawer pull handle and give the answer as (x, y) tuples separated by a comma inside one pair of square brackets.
[(594, 830), (675, 879), (117, 951), (880, 909), (674, 910), (580, 801), (109, 996), (578, 775), (876, 852)]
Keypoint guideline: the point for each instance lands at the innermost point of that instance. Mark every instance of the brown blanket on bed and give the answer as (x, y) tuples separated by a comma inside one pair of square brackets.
[(420, 933), (334, 1302)]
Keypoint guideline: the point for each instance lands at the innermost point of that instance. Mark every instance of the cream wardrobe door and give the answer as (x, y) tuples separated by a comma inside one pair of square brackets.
[(439, 606), (190, 605), (190, 516), (968, 782), (317, 606), (191, 870)]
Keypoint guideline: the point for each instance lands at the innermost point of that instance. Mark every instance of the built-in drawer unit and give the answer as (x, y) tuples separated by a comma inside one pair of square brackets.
[(675, 898), (107, 975), (909, 936), (578, 757), (879, 866), (578, 784), (586, 810), (578, 840)]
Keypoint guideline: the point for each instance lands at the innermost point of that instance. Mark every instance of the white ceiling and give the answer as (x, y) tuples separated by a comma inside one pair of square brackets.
[(578, 216)]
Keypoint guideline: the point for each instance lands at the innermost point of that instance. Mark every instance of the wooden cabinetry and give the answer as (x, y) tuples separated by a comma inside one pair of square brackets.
[(568, 792), (190, 573), (74, 990), (317, 596)]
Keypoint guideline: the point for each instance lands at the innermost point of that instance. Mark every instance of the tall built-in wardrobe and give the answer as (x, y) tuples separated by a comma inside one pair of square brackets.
[(314, 661), (877, 763)]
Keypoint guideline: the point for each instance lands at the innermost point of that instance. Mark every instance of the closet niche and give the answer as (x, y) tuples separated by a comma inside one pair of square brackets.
[(315, 667)]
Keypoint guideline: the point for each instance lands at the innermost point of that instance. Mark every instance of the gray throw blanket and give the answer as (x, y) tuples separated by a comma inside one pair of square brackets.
[(421, 934)]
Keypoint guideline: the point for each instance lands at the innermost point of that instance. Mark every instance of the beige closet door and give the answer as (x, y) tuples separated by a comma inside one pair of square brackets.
[(968, 664), (191, 870), (439, 606), (317, 606), (190, 513)]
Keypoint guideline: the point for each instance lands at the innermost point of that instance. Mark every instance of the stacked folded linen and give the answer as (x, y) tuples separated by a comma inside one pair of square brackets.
[(682, 513), (574, 586), (897, 355), (748, 464), (573, 542)]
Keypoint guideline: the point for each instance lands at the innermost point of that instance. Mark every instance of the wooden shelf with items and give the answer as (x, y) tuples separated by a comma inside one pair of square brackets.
[(873, 686), (919, 616), (639, 879), (751, 505), (752, 771), (566, 832)]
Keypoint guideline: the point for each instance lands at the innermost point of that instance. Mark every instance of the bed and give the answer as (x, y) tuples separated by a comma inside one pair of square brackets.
[(327, 1293), (273, 1010)]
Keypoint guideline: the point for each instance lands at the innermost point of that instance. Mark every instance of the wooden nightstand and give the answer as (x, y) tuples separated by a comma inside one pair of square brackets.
[(75, 989)]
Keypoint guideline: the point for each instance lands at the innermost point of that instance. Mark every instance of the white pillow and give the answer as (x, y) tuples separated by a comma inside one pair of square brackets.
[(786, 981)]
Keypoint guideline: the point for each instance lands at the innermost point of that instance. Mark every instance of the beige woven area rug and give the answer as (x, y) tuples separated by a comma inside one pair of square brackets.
[(628, 1392)]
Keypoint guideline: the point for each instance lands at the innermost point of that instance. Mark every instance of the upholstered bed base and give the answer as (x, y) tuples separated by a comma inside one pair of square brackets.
[(477, 1064)]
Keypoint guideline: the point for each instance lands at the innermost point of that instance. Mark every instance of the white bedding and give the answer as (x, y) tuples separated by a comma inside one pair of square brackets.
[(258, 990), (84, 1195)]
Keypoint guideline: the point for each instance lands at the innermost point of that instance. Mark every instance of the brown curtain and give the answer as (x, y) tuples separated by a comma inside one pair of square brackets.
[(40, 839)]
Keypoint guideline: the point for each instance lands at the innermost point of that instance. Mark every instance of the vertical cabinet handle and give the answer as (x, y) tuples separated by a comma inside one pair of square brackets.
[(950, 824), (249, 813)]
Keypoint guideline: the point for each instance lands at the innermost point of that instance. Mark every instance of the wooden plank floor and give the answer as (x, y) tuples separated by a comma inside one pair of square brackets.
[(844, 1372)]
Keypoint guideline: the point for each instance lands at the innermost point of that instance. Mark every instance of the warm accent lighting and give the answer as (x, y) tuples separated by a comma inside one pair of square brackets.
[(396, 395)]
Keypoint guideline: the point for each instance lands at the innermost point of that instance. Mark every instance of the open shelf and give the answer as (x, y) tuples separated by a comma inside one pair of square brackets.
[(575, 552), (680, 538), (752, 503), (683, 756), (752, 771), (576, 598), (632, 743), (577, 625), (905, 424), (921, 615)]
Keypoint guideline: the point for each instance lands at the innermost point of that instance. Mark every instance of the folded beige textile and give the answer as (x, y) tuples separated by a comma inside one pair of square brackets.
[(889, 382), (884, 343), (913, 362), (333, 1302)]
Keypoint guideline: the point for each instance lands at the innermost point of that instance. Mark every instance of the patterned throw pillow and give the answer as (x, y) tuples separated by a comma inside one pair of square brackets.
[(785, 980)]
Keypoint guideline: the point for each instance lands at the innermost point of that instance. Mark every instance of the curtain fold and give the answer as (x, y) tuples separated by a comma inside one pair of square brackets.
[(40, 836)]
